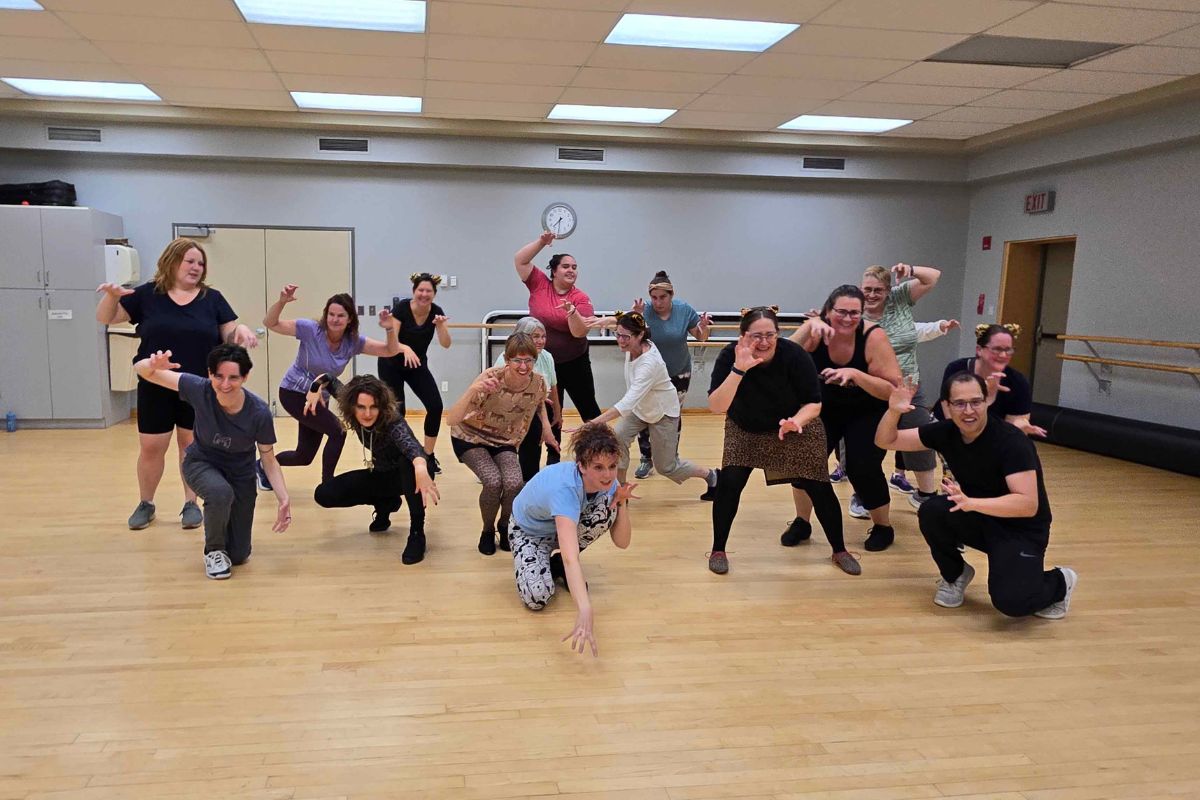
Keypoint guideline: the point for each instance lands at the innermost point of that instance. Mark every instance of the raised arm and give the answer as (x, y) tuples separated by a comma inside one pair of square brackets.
[(443, 330), (391, 327), (923, 279), (234, 333), (158, 370), (887, 435), (286, 327), (523, 260), (109, 311), (721, 398), (811, 332), (700, 331)]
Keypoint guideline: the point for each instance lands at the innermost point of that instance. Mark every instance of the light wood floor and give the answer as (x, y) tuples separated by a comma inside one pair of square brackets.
[(326, 669)]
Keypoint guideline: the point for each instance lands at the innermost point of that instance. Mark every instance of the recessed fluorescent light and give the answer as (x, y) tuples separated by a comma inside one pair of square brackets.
[(328, 101), (91, 90), (814, 122), (407, 16), (21, 5), (654, 30), (648, 116)]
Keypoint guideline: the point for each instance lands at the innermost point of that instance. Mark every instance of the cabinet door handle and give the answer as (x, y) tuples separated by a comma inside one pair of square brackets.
[(39, 276), (47, 277), (39, 301)]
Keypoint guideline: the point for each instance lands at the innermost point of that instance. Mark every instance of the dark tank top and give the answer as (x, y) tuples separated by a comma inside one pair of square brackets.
[(848, 397)]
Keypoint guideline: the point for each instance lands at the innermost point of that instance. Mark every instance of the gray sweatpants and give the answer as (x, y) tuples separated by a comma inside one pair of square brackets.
[(664, 445), (228, 507)]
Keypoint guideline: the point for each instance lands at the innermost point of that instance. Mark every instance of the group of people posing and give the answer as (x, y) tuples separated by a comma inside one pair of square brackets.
[(846, 380)]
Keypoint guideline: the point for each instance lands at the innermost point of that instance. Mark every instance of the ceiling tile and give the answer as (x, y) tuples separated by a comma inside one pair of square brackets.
[(25, 23), (1189, 37), (945, 130), (206, 78), (468, 19), (750, 104), (339, 40), (1057, 101), (793, 65), (670, 59), (155, 30), (28, 47), (500, 92), (1089, 23), (829, 40), (334, 64), (618, 97), (1153, 60), (1156, 5), (846, 108), (172, 9), (64, 70), (765, 10), (1074, 80), (651, 80), (225, 98), (170, 55), (785, 87), (483, 109), (506, 51), (721, 120), (906, 93), (349, 84), (482, 72), (930, 73), (7, 91), (942, 16), (1007, 116)]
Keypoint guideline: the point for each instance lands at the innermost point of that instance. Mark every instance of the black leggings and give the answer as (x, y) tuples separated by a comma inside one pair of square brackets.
[(575, 379), (424, 386), (379, 488), (530, 450), (308, 440), (864, 461), (732, 480)]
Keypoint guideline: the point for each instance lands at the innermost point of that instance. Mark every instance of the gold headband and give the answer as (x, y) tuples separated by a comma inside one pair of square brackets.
[(417, 277), (1014, 330), (635, 317), (665, 285), (772, 309)]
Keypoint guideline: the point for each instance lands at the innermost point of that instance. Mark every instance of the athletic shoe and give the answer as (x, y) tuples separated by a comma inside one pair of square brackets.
[(142, 516), (718, 562), (856, 508), (838, 475), (710, 493), (191, 516), (558, 573), (432, 465), (502, 535), (916, 499), (1059, 610), (487, 543), (879, 538), (380, 521), (950, 595), (848, 563), (263, 482), (900, 484), (217, 565), (414, 550), (645, 469), (798, 531)]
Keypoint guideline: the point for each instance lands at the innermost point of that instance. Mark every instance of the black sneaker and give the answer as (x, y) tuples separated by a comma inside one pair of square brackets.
[(880, 537), (414, 550), (502, 531), (263, 483), (797, 532), (710, 494), (380, 522), (559, 574), (487, 543), (431, 463)]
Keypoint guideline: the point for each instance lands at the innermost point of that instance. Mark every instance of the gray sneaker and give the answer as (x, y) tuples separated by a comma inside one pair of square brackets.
[(644, 469), (950, 595), (142, 516), (217, 565), (1059, 610), (856, 508), (191, 515)]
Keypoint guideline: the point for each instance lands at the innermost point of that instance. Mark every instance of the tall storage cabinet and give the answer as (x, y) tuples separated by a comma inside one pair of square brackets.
[(54, 355)]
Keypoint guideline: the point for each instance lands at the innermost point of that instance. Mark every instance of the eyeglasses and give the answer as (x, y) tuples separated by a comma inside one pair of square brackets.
[(624, 337), (847, 313), (877, 290), (764, 337), (963, 405), (524, 362), (1002, 351)]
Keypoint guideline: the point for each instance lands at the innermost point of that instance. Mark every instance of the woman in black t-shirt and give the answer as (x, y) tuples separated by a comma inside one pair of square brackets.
[(771, 396), (175, 311), (420, 318), (1009, 395)]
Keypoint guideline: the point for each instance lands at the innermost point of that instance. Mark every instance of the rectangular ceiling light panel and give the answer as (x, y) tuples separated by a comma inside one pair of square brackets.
[(646, 116), (654, 30), (406, 16), (814, 122), (329, 101), (21, 5), (88, 90)]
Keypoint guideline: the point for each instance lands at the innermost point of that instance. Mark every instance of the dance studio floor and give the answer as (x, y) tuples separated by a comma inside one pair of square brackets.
[(326, 669)]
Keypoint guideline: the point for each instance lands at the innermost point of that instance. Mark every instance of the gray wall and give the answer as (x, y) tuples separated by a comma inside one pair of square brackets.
[(727, 242)]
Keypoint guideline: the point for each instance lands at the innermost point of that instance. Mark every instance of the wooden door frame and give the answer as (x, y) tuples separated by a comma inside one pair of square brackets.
[(1027, 317)]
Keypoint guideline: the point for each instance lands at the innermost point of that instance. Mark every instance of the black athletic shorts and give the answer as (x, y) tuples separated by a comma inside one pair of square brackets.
[(161, 410)]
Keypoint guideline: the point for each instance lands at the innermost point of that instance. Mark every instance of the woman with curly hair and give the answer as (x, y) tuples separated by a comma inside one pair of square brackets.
[(566, 507), (394, 462), (1009, 396)]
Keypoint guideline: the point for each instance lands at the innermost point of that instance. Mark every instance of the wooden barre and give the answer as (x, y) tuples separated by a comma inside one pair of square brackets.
[(1122, 340), (1117, 362)]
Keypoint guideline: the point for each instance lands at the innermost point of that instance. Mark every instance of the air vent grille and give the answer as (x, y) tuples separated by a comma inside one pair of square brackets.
[(335, 145), (592, 154), (59, 133), (820, 162)]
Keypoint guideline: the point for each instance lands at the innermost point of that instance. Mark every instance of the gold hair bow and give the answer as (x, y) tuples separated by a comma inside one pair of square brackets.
[(1014, 330), (637, 318), (417, 277), (772, 309)]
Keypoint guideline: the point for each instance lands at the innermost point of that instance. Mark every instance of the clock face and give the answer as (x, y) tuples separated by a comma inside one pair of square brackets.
[(559, 219)]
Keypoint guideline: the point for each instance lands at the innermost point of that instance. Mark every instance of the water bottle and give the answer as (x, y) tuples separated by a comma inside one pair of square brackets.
[(10, 422)]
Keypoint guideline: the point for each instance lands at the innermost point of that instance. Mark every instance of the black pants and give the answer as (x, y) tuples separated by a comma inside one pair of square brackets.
[(424, 386), (575, 379), (312, 428), (864, 461), (530, 450), (1018, 582), (381, 489), (732, 480)]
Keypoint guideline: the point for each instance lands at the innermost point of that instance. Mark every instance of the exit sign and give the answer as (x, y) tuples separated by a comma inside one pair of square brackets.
[(1039, 202)]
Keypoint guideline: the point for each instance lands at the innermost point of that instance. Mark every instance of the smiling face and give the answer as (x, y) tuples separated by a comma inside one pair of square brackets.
[(366, 410), (997, 353), (876, 293), (967, 408), (628, 341), (763, 337), (423, 293), (599, 472), (845, 315), (336, 320), (566, 272), (191, 270), (227, 380), (521, 364)]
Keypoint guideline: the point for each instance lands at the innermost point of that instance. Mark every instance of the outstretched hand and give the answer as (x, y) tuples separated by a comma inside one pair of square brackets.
[(581, 635), (283, 517), (743, 354), (161, 359), (901, 272), (901, 398), (546, 238), (114, 290), (958, 500), (385, 318), (947, 325), (625, 493), (841, 376), (789, 425), (639, 306), (288, 293)]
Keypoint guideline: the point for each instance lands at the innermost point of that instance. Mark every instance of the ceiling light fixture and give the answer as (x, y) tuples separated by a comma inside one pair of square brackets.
[(816, 122), (406, 16), (330, 101), (89, 90), (645, 116), (700, 33)]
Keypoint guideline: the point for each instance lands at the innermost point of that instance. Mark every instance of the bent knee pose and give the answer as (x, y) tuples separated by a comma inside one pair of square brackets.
[(395, 465), (650, 405), (770, 393), (858, 369), (219, 464), (1009, 396), (566, 507), (996, 502), (419, 319), (327, 345), (530, 450), (488, 422), (176, 311)]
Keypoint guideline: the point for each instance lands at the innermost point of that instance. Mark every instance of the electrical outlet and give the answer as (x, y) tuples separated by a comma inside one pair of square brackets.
[(445, 386), (453, 281)]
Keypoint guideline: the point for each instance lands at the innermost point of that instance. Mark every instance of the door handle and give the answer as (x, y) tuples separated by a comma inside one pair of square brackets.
[(261, 331), (39, 276)]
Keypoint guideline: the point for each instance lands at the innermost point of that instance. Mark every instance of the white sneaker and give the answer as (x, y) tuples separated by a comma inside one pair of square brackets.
[(950, 595), (217, 565), (856, 508), (1059, 610)]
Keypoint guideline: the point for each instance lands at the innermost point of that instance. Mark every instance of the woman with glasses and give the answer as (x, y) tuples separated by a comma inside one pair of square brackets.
[(1009, 395), (859, 370), (770, 394), (562, 307), (486, 425), (530, 451)]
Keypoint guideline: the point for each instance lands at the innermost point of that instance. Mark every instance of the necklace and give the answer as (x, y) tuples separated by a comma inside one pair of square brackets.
[(368, 440)]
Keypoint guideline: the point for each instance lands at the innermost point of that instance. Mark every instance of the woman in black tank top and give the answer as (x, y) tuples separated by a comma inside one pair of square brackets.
[(858, 371)]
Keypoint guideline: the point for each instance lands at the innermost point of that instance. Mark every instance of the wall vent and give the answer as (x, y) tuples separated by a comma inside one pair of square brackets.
[(335, 145), (820, 162), (60, 133), (592, 154)]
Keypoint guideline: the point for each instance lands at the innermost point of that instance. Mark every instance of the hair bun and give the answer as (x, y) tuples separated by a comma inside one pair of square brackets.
[(981, 328)]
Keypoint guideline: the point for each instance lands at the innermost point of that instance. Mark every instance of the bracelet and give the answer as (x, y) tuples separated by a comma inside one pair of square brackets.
[(736, 371)]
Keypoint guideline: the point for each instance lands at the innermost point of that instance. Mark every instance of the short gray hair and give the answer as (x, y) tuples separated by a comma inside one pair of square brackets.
[(527, 326)]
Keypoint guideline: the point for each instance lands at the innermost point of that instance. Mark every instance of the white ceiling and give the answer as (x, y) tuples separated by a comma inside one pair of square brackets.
[(514, 59)]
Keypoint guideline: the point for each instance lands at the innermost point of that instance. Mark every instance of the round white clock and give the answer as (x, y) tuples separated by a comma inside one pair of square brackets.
[(560, 219)]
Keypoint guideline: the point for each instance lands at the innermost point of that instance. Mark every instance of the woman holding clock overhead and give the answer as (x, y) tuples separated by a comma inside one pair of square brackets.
[(561, 306)]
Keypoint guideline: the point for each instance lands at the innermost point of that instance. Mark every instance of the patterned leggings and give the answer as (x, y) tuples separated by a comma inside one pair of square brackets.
[(501, 478), (531, 556)]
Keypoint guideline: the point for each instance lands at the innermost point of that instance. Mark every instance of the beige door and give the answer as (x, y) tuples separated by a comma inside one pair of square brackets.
[(1052, 321)]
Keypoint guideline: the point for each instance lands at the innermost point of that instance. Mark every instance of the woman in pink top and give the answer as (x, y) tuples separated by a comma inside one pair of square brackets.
[(559, 305)]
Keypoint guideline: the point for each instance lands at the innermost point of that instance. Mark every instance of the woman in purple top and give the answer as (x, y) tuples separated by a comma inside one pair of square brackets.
[(326, 346)]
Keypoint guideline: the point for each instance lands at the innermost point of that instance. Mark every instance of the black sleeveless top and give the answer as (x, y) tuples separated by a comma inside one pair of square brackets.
[(849, 397), (415, 336)]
